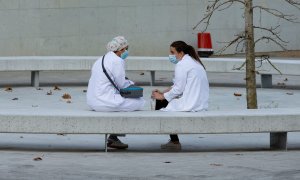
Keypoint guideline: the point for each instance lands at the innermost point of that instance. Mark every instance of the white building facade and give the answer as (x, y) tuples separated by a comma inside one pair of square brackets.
[(83, 27)]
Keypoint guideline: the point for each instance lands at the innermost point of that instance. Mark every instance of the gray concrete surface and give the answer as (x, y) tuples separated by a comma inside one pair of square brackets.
[(205, 156), (133, 166)]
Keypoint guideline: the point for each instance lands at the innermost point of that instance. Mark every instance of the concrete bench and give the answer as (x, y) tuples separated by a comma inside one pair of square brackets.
[(35, 64), (277, 122)]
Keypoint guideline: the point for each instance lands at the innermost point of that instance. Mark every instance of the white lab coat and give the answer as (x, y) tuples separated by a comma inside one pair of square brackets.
[(190, 91), (102, 95)]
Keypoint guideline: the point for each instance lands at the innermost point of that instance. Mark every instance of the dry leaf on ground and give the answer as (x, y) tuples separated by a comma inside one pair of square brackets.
[(66, 96), (56, 88), (8, 89), (215, 164), (237, 94), (39, 158), (49, 93)]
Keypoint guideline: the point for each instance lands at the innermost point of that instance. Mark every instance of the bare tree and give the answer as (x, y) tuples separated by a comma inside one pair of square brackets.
[(245, 40)]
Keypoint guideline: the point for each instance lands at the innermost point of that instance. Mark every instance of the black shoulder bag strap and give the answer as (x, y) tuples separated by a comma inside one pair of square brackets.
[(104, 70)]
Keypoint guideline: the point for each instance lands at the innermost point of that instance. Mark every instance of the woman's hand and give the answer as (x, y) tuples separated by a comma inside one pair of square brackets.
[(155, 90), (157, 95)]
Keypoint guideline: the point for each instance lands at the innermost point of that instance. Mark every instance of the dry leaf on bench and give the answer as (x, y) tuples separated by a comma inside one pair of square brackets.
[(289, 93), (15, 99)]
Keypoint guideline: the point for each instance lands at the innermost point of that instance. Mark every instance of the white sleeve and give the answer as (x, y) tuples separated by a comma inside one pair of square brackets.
[(119, 75), (179, 84)]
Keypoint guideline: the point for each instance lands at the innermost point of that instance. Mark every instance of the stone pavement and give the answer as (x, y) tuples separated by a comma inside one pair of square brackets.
[(204, 156)]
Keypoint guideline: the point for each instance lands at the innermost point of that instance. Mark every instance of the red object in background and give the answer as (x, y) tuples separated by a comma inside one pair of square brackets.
[(204, 44)]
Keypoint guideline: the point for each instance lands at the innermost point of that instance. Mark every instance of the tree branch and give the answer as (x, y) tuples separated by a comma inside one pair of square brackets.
[(268, 39), (294, 3), (240, 38), (210, 9), (277, 13), (272, 31)]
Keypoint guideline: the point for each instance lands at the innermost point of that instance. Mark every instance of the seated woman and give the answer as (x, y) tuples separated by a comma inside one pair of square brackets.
[(102, 95), (190, 91)]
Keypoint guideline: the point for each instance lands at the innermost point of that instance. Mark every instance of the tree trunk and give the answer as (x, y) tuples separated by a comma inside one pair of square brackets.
[(250, 57)]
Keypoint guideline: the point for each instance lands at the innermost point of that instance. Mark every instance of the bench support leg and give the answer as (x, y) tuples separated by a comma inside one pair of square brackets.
[(152, 80), (266, 81), (278, 141), (105, 141), (35, 79)]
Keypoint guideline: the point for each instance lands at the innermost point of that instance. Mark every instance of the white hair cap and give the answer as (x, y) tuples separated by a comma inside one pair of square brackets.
[(117, 43)]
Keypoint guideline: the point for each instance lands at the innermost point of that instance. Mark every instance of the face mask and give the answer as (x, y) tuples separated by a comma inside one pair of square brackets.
[(125, 54), (172, 59)]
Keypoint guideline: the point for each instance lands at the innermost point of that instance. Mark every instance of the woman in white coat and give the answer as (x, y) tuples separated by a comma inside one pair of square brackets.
[(102, 95), (190, 91)]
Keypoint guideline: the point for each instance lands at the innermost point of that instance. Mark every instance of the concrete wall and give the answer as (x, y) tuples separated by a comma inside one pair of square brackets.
[(83, 27)]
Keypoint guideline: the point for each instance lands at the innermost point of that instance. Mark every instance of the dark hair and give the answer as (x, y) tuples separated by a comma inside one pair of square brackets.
[(181, 46)]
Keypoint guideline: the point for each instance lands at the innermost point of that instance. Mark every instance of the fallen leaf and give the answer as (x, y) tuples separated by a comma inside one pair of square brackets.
[(56, 88), (167, 162), (61, 134), (214, 164), (68, 101), (15, 99), (49, 93), (280, 84), (39, 158), (8, 89), (290, 93), (39, 89), (237, 94), (238, 154), (66, 96), (85, 91), (286, 79), (142, 74)]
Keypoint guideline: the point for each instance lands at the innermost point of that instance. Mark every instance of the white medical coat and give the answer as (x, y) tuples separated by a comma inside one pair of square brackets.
[(190, 91), (102, 95)]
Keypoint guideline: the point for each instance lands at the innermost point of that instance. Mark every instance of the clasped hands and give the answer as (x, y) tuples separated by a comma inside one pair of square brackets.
[(158, 95)]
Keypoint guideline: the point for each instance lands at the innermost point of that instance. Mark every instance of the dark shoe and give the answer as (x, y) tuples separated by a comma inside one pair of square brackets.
[(117, 144), (171, 145)]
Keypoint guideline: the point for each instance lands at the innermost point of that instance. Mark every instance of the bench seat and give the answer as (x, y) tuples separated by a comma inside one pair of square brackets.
[(37, 120), (35, 64)]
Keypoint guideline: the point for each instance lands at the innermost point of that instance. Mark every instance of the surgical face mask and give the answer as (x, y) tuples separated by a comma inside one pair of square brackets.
[(172, 59), (125, 54)]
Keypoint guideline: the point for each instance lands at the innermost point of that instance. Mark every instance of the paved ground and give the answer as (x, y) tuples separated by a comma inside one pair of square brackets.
[(204, 156)]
